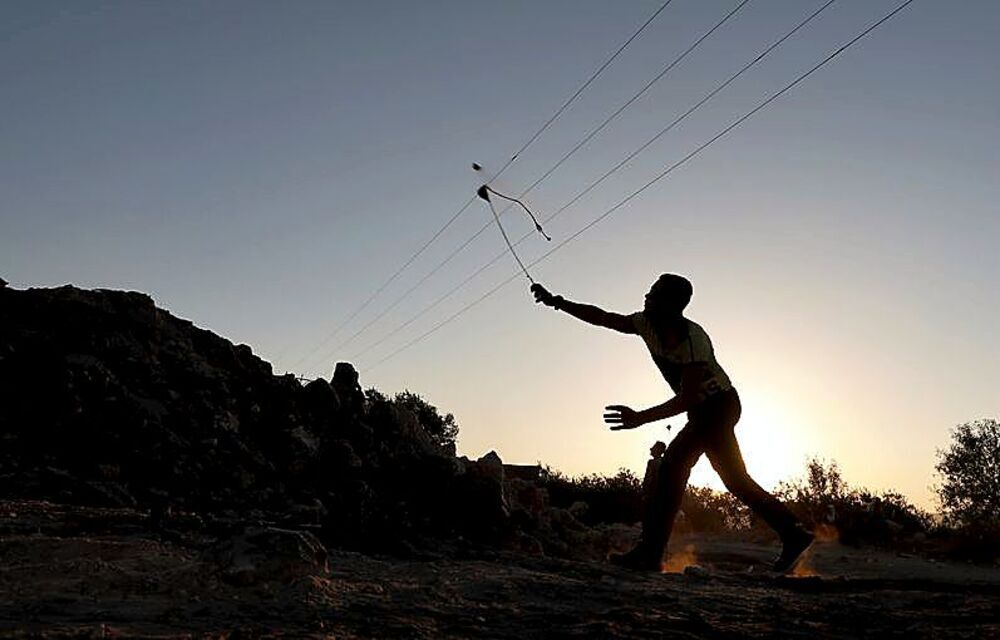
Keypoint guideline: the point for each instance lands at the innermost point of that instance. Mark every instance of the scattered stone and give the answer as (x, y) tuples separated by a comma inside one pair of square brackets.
[(697, 571)]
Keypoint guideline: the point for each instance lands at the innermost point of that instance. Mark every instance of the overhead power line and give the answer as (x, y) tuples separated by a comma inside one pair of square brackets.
[(736, 123), (572, 151), (606, 174), (371, 298), (587, 138), (584, 86)]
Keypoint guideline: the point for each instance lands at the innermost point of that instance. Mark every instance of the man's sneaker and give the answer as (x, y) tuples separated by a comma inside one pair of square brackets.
[(638, 559), (793, 545)]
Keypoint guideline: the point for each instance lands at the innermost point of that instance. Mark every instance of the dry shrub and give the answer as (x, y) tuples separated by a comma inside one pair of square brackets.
[(609, 499), (619, 499), (860, 516), (714, 511)]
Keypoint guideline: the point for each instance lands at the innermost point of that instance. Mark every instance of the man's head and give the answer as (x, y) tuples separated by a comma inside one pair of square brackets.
[(668, 296), (658, 449)]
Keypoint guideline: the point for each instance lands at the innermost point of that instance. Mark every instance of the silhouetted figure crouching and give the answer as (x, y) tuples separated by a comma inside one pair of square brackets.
[(683, 353)]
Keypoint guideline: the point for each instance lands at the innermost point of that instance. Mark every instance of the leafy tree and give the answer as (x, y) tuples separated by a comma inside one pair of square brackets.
[(822, 488), (970, 475), (442, 429)]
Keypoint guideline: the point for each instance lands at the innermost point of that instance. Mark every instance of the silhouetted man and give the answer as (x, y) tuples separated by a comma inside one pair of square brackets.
[(651, 477), (683, 353)]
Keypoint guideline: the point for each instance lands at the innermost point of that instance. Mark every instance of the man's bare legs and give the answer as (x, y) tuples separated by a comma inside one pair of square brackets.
[(711, 431)]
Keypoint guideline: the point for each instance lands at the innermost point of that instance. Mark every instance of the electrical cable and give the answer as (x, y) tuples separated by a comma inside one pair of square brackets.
[(503, 168), (584, 86), (577, 146), (650, 183), (593, 184), (587, 138)]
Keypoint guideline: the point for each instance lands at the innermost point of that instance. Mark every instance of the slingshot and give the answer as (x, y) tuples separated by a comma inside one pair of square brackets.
[(484, 193)]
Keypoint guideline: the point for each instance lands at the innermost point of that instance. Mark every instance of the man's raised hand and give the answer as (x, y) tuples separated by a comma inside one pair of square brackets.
[(621, 417), (542, 295)]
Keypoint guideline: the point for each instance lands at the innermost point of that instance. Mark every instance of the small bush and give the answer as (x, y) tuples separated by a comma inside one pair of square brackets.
[(619, 499), (609, 499), (823, 497)]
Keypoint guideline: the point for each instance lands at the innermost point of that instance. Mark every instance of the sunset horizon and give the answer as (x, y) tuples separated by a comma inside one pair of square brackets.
[(382, 240)]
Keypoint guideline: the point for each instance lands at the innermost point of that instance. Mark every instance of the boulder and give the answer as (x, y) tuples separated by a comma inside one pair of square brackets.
[(697, 571), (490, 466), (345, 382), (322, 401), (269, 554)]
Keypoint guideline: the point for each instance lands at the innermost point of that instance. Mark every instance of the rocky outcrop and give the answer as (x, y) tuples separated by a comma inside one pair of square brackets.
[(111, 401)]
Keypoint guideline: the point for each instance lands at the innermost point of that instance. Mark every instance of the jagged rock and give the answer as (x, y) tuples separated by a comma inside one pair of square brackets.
[(490, 466), (270, 554), (323, 400), (482, 497), (345, 382)]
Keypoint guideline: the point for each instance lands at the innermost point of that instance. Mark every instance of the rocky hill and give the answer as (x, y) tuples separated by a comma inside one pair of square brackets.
[(111, 401)]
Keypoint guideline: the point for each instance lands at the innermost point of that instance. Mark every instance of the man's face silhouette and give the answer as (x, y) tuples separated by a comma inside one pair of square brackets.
[(658, 302), (667, 297)]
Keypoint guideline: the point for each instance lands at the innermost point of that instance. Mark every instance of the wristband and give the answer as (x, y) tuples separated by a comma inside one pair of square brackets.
[(557, 302)]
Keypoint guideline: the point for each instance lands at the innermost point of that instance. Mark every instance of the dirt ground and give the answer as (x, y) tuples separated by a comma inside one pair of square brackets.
[(68, 572)]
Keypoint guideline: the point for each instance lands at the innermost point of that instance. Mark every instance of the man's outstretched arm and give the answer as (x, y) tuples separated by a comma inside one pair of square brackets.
[(621, 417), (586, 312)]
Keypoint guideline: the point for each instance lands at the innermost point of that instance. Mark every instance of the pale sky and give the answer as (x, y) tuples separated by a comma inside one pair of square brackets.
[(261, 168)]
